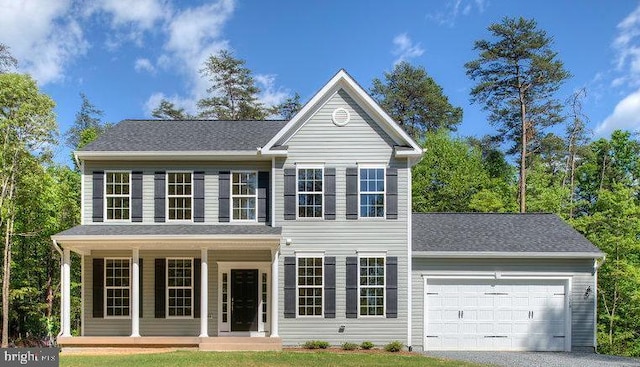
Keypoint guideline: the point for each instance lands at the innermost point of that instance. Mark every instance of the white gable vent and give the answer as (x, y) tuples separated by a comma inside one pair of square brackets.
[(340, 116)]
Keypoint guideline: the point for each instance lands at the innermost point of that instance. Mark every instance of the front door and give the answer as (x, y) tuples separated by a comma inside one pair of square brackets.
[(244, 300)]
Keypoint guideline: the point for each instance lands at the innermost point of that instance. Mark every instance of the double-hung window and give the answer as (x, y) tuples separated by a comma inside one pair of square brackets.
[(372, 192), (310, 192), (117, 272), (180, 287), (244, 195), (310, 286), (371, 284), (118, 195), (179, 195)]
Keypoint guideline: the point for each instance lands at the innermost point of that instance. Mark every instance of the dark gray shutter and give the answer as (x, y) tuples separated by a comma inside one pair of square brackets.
[(330, 287), (98, 288), (198, 196), (392, 193), (392, 287), (352, 193), (263, 197), (98, 196), (160, 288), (159, 196), (330, 193), (136, 196), (289, 287), (352, 287), (290, 194), (140, 289), (224, 187), (197, 278)]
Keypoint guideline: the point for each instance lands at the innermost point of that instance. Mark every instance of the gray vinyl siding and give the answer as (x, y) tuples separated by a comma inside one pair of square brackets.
[(149, 325), (581, 272), (211, 170), (319, 141)]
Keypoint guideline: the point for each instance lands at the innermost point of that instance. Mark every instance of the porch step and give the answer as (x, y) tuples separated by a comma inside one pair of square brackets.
[(229, 344)]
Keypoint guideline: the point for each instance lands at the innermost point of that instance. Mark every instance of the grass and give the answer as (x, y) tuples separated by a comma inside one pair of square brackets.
[(257, 359)]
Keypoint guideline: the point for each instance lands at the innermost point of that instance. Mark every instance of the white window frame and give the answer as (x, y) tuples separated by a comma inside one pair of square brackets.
[(167, 196), (310, 255), (106, 288), (232, 196), (107, 196), (374, 255), (321, 192), (384, 192), (179, 287)]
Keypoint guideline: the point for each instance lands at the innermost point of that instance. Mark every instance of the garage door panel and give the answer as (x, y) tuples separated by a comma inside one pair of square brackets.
[(496, 314)]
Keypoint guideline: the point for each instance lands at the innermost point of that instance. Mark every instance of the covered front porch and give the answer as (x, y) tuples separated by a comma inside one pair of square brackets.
[(211, 287)]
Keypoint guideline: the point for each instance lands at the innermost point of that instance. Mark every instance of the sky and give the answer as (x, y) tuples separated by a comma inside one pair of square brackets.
[(126, 55)]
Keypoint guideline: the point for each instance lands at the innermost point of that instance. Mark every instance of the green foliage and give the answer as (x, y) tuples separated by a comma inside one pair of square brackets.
[(415, 100), (87, 118), (316, 344), (349, 346), (394, 346), (366, 345), (7, 62), (234, 94), (167, 110), (287, 109)]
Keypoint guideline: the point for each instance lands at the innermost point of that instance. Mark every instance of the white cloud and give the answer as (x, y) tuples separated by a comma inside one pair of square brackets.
[(454, 9), (144, 65), (627, 47), (43, 36), (179, 102), (142, 13), (626, 115), (404, 48), (270, 95)]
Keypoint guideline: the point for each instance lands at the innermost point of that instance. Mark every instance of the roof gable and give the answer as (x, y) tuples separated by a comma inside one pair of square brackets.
[(343, 81)]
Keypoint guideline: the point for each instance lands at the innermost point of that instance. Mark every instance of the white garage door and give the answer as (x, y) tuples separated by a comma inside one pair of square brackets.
[(495, 314)]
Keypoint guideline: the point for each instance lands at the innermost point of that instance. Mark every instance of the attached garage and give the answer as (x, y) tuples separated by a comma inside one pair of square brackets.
[(497, 314), (503, 282)]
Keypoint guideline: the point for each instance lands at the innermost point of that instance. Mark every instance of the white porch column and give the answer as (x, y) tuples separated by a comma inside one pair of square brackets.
[(274, 294), (204, 293), (135, 294), (66, 292)]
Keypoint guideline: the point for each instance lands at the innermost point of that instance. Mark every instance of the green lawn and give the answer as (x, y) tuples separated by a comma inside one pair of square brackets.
[(257, 359)]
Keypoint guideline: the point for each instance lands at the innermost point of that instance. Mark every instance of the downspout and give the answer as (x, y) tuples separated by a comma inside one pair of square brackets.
[(596, 266), (55, 246), (273, 191), (409, 259)]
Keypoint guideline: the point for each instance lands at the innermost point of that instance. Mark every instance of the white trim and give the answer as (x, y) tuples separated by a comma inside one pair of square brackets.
[(166, 196), (254, 196), (566, 278), (134, 295), (82, 294), (595, 305), (182, 238), (274, 294), (204, 292), (342, 80), (187, 155), (505, 254), (104, 290), (104, 197), (66, 292), (322, 203), (334, 118), (82, 184), (273, 192), (166, 280), (374, 255), (383, 167), (309, 255), (409, 261)]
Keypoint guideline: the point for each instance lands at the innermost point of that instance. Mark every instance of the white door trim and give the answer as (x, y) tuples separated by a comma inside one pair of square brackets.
[(471, 275)]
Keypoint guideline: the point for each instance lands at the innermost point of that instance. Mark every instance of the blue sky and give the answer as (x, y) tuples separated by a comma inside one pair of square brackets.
[(125, 55)]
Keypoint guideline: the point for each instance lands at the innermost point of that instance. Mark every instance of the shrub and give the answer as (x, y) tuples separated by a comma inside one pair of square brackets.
[(349, 346), (394, 346), (366, 345), (315, 344)]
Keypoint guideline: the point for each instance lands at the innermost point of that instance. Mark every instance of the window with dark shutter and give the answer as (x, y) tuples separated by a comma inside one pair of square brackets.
[(290, 194), (289, 287), (352, 192), (198, 196), (224, 189), (352, 287), (264, 208), (98, 288), (330, 287), (392, 287), (330, 193), (160, 288), (136, 196), (159, 196), (98, 196), (141, 290), (392, 193), (197, 279)]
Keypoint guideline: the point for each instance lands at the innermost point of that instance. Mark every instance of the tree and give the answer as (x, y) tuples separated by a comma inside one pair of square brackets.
[(577, 139), (234, 94), (27, 128), (518, 75), (87, 118), (289, 107), (414, 100), (168, 110), (7, 62)]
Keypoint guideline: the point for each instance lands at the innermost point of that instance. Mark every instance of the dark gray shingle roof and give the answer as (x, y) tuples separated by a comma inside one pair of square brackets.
[(168, 230), (483, 232), (191, 135)]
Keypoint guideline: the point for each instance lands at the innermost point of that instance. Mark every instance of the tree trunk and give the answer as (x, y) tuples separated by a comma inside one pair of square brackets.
[(523, 156), (6, 279)]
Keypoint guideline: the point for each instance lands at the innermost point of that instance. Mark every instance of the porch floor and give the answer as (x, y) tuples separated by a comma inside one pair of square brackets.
[(224, 343)]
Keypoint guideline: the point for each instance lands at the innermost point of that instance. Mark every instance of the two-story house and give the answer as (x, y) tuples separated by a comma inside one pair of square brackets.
[(258, 234)]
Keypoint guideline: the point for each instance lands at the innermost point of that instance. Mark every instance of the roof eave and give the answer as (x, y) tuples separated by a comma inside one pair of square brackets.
[(506, 254), (177, 237), (171, 155)]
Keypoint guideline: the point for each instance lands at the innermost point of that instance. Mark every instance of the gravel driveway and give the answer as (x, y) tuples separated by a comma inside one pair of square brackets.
[(539, 359)]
